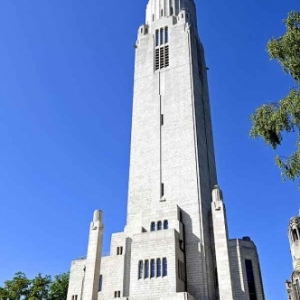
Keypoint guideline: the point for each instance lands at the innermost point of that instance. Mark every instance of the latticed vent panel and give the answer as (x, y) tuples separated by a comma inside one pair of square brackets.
[(156, 59), (161, 57)]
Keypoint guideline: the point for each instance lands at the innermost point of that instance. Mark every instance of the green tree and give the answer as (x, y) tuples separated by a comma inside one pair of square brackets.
[(38, 288), (271, 121), (59, 287), (15, 289)]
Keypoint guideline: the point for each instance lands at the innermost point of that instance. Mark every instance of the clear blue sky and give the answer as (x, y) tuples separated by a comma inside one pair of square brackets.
[(66, 78)]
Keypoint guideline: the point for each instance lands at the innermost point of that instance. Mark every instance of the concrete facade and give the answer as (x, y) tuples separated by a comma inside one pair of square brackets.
[(170, 247)]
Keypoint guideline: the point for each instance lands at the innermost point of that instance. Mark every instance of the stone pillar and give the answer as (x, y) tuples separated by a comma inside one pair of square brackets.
[(221, 245), (93, 260)]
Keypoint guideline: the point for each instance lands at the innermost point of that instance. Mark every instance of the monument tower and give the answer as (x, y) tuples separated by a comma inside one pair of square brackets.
[(175, 209)]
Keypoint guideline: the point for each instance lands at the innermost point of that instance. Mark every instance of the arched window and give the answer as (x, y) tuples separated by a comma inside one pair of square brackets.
[(141, 269), (159, 225), (158, 267), (165, 267), (152, 226), (166, 224), (100, 283), (152, 272)]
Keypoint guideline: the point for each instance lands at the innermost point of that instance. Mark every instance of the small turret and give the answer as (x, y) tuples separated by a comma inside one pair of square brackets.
[(93, 259), (221, 245), (292, 285), (294, 238)]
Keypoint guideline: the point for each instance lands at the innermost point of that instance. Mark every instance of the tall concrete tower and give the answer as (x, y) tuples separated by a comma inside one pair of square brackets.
[(167, 250)]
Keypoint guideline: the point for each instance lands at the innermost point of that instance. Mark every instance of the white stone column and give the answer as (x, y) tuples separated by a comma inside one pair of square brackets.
[(93, 260), (221, 245)]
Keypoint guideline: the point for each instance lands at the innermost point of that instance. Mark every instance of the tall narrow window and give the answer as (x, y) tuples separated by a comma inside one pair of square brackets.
[(161, 36), (250, 279), (159, 225), (100, 283), (162, 190), (152, 271), (156, 37), (146, 268), (166, 35), (158, 267), (141, 269), (165, 267), (166, 224)]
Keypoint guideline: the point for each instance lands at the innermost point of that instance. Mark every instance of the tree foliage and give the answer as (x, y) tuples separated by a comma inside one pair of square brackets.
[(271, 121), (38, 288)]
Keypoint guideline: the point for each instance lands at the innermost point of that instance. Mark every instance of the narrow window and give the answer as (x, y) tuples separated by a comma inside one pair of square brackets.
[(250, 279), (147, 268), (161, 12), (165, 267), (156, 37), (117, 294), (159, 225), (166, 35), (152, 226), (166, 224), (161, 120), (158, 267), (141, 269), (171, 10), (161, 36), (295, 236), (100, 283), (152, 271), (162, 190), (153, 18), (121, 250), (118, 250)]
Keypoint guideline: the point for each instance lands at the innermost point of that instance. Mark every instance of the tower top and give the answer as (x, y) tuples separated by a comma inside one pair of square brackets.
[(159, 9)]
